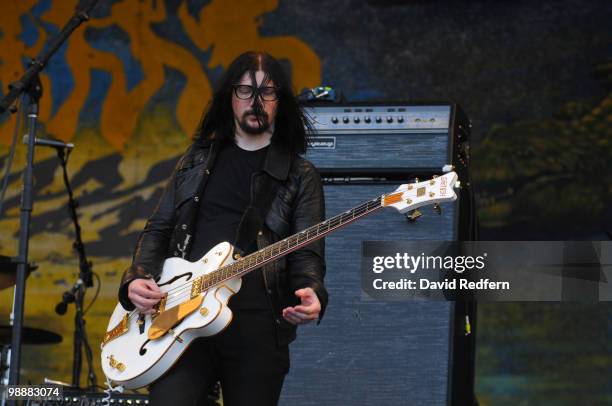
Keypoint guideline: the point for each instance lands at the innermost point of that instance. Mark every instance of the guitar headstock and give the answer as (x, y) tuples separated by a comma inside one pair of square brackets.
[(413, 195)]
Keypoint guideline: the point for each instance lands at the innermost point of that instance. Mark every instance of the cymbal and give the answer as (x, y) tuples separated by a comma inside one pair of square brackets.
[(8, 272), (29, 335)]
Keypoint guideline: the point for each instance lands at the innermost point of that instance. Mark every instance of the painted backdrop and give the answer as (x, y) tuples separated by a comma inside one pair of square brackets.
[(130, 85)]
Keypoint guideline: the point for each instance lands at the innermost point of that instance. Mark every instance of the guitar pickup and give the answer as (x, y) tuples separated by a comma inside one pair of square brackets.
[(160, 306)]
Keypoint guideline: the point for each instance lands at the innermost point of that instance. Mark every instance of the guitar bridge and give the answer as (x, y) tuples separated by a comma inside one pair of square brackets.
[(160, 306)]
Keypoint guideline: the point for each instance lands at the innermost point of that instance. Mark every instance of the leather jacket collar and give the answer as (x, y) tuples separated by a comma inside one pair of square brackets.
[(278, 161)]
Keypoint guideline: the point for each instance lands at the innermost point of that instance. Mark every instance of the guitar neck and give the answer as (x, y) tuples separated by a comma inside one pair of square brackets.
[(291, 243)]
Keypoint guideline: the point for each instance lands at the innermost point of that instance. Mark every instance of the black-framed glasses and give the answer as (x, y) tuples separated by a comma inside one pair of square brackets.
[(245, 92)]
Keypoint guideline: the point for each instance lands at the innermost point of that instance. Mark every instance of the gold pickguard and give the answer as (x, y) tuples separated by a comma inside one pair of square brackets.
[(171, 317)]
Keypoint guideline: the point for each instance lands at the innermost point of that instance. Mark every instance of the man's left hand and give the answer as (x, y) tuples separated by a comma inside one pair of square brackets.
[(307, 311)]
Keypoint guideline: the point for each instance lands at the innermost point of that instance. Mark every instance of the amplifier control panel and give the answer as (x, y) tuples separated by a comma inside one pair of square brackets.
[(406, 118)]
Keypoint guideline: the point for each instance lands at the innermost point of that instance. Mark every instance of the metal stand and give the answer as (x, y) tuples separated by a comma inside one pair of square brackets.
[(30, 84), (34, 92), (77, 293)]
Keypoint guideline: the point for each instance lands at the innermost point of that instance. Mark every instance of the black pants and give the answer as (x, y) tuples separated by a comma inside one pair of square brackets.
[(244, 358)]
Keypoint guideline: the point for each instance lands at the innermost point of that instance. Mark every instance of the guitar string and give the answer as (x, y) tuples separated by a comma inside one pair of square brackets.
[(316, 227), (182, 291), (179, 293), (185, 293), (293, 240), (265, 256)]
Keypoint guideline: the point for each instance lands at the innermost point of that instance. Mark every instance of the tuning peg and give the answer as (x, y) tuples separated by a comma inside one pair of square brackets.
[(437, 208), (413, 215)]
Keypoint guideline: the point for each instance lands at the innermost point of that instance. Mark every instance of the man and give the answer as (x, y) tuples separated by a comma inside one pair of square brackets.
[(241, 181)]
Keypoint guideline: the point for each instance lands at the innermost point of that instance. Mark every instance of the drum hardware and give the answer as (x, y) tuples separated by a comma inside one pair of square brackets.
[(29, 336)]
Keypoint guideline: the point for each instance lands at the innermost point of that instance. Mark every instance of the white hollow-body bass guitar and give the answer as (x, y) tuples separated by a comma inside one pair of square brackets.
[(138, 349)]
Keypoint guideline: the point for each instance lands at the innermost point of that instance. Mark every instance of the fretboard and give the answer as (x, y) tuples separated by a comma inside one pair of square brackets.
[(289, 244)]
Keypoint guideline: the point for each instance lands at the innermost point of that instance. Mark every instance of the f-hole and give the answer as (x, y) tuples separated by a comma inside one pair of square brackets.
[(143, 350), (188, 275)]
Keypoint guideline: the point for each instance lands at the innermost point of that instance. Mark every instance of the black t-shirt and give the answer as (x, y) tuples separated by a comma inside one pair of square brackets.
[(226, 196)]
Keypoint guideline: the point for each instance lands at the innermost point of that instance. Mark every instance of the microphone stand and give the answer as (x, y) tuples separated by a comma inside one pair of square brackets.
[(30, 84), (77, 293)]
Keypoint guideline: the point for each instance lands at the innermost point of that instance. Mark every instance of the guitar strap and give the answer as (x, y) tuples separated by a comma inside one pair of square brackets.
[(183, 236)]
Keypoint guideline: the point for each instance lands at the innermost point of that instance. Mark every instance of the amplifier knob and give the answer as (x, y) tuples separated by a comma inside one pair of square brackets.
[(389, 119), (367, 119), (356, 119), (334, 120), (345, 120), (400, 119), (378, 120)]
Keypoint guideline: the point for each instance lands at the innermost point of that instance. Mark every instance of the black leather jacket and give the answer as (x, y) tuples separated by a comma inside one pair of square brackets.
[(297, 204)]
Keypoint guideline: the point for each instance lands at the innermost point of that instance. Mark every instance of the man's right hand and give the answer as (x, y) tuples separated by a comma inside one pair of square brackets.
[(145, 294)]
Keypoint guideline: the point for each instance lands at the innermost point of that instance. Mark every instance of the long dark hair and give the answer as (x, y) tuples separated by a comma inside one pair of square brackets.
[(292, 127)]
